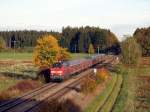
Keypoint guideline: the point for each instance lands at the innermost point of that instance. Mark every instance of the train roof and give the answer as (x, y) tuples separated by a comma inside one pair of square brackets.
[(73, 62), (77, 61)]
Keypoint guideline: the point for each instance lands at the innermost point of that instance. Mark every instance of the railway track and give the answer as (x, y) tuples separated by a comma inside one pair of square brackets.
[(12, 103), (30, 101), (60, 93)]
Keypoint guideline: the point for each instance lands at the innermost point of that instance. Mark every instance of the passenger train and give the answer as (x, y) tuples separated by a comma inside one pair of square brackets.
[(63, 70)]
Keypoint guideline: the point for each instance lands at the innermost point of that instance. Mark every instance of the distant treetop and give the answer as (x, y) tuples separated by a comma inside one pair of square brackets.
[(142, 36)]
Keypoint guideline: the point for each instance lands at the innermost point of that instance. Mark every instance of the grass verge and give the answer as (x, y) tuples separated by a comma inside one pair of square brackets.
[(122, 97), (100, 99), (113, 96)]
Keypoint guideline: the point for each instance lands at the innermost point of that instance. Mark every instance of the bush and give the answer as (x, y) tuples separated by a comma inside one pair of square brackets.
[(25, 85), (102, 74), (63, 54), (59, 106), (7, 95), (99, 101), (18, 89), (88, 85), (131, 52)]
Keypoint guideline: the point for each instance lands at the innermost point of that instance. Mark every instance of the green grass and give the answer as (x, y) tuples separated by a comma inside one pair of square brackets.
[(78, 55), (6, 82), (15, 56), (122, 97), (126, 101), (100, 99), (113, 96), (29, 56)]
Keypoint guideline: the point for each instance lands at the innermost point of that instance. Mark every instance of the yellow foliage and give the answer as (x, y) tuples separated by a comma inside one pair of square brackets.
[(88, 85), (103, 74), (91, 49), (47, 51), (64, 55)]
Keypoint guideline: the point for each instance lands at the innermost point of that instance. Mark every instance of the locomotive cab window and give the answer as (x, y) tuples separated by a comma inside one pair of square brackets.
[(56, 65)]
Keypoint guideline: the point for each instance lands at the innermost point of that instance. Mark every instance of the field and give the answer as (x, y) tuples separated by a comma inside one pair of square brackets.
[(15, 56), (29, 56), (19, 70), (135, 92)]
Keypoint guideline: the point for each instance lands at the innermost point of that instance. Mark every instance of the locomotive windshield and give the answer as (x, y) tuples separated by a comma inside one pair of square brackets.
[(57, 65)]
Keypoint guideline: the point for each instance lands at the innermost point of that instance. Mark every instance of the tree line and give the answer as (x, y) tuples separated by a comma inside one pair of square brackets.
[(24, 38), (142, 36), (79, 39), (75, 39)]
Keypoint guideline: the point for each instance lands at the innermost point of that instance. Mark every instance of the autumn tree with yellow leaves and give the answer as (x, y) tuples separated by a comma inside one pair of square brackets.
[(47, 51), (91, 49)]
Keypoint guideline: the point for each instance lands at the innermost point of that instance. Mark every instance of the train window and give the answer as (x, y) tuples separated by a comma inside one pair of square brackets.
[(57, 65), (66, 64)]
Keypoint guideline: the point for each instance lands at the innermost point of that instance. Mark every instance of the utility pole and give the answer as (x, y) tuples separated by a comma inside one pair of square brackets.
[(75, 48), (98, 49), (15, 43), (14, 46)]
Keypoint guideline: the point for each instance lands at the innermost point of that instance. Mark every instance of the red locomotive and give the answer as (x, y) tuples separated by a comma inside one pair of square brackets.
[(63, 70)]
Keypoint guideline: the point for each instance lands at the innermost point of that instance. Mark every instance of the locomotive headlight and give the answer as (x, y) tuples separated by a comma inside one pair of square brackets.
[(52, 72), (60, 72)]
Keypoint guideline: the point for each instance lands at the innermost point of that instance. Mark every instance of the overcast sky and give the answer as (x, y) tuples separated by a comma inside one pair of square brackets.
[(120, 16)]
